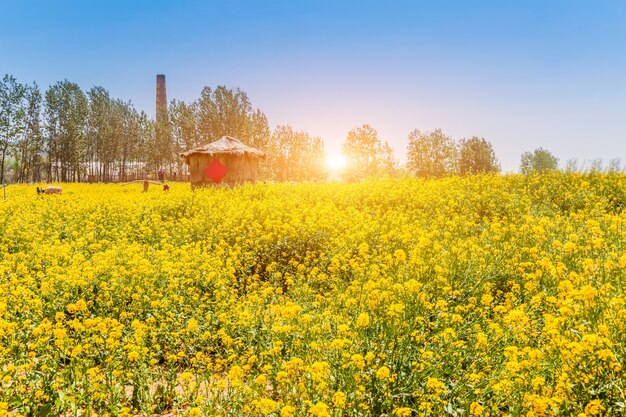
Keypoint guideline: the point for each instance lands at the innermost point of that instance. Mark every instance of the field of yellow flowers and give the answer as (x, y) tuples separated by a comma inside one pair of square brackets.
[(477, 296)]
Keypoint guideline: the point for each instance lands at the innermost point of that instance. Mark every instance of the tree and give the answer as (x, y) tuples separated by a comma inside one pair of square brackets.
[(161, 150), (431, 154), (615, 166), (476, 156), (185, 132), (388, 163), (129, 139), (113, 137), (28, 152), (367, 155), (12, 115), (572, 165), (294, 156), (227, 112), (100, 134), (146, 132), (135, 139), (66, 123), (540, 160)]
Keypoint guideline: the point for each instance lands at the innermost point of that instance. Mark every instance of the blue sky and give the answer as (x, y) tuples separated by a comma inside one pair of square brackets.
[(521, 74)]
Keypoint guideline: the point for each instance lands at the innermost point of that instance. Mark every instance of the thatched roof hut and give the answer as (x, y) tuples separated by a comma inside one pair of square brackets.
[(226, 160)]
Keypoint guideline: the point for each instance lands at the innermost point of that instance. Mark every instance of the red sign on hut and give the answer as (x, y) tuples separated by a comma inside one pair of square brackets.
[(216, 171)]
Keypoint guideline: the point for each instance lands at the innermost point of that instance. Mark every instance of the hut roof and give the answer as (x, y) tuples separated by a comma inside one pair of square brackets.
[(225, 145)]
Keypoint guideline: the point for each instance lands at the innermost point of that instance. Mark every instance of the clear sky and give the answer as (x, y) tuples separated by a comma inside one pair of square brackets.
[(521, 74)]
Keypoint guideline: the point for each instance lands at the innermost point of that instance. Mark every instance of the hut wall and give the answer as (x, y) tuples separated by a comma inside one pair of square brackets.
[(241, 168)]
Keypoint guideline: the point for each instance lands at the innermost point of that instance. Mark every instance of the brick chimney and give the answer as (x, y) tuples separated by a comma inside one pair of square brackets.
[(161, 95)]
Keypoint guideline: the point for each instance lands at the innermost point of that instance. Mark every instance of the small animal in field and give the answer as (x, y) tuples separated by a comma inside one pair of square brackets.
[(51, 189), (166, 187)]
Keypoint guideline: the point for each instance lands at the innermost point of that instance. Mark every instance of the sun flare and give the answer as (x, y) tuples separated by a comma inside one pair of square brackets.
[(336, 161)]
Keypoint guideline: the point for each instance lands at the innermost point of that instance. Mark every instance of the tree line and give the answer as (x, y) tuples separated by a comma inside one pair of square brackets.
[(67, 134)]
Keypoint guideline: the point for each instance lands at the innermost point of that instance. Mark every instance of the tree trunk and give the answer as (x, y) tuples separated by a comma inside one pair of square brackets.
[(4, 152)]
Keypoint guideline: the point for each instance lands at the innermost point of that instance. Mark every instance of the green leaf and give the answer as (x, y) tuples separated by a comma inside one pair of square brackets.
[(14, 401), (45, 410)]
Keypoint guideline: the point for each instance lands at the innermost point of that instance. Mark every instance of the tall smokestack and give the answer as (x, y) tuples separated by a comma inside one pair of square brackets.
[(161, 96)]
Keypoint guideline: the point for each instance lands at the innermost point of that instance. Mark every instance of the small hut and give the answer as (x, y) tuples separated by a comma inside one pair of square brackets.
[(225, 161)]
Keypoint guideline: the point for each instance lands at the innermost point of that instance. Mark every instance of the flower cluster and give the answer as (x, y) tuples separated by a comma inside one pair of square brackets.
[(480, 296)]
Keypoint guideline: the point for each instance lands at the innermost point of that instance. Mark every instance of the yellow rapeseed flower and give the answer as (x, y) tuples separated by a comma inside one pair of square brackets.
[(363, 320)]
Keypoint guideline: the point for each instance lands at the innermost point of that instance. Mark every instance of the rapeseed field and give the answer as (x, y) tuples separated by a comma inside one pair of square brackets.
[(475, 296)]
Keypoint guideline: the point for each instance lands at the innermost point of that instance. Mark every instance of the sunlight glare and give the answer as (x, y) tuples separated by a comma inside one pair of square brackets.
[(335, 161)]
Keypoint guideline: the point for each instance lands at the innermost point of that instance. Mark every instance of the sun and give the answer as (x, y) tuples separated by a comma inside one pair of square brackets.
[(336, 161)]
